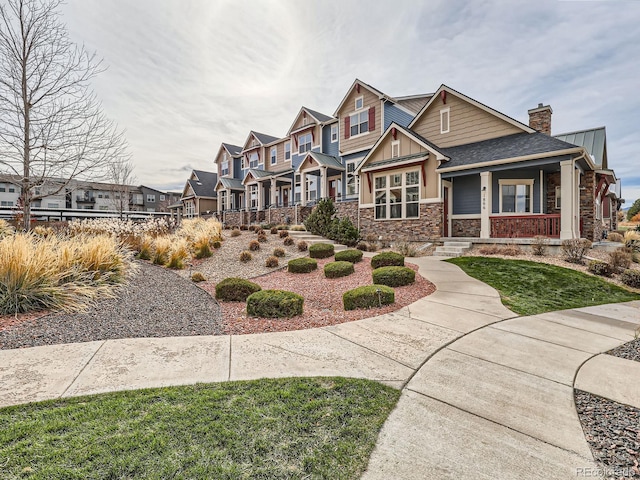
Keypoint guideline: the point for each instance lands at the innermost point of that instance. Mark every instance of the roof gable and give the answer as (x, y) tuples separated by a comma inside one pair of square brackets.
[(233, 150), (358, 84), (257, 139), (302, 113)]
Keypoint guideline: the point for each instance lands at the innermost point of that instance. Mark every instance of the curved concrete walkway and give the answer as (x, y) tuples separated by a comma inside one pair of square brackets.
[(485, 394)]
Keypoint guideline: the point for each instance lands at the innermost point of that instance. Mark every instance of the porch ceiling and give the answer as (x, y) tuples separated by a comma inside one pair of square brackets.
[(547, 165)]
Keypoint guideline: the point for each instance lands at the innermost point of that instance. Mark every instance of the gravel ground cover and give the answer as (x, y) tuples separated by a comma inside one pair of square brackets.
[(630, 350), (155, 303), (322, 299), (613, 433)]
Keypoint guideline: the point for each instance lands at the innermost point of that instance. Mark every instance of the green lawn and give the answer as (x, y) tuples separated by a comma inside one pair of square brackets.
[(285, 428), (529, 288)]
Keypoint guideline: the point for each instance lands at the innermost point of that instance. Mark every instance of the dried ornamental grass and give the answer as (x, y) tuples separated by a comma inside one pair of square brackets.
[(254, 245), (271, 261), (278, 252), (302, 246), (178, 254), (161, 249)]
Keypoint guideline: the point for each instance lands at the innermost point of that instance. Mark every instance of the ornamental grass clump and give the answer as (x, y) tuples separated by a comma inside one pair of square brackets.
[(236, 232), (178, 254), (234, 289), (161, 250), (288, 241), (393, 276), (197, 277), (387, 259), (321, 250), (271, 262), (6, 228), (145, 247), (368, 296), (245, 256), (262, 237), (338, 269), (278, 252), (302, 246), (274, 304), (350, 255), (196, 228), (202, 247), (283, 233), (620, 259), (254, 245)]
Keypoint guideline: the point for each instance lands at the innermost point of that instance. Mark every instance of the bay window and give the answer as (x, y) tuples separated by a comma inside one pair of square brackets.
[(397, 195)]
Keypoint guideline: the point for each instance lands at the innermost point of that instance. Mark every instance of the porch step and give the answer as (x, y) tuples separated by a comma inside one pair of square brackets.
[(452, 249)]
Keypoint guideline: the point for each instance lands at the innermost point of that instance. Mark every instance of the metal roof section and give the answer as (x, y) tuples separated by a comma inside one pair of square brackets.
[(503, 148), (230, 183), (594, 140), (326, 160)]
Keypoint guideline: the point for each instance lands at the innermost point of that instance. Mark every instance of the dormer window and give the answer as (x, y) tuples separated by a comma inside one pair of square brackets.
[(444, 120), (273, 155), (395, 149), (359, 102)]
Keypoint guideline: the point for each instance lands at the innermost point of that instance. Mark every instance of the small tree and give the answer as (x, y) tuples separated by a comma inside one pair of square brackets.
[(319, 222), (122, 178), (633, 210)]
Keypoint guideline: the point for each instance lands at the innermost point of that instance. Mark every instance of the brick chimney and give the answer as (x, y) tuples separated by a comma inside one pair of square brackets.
[(540, 118)]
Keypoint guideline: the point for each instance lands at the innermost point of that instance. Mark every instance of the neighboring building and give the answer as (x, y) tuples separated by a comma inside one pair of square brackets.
[(199, 196), (154, 200), (424, 167)]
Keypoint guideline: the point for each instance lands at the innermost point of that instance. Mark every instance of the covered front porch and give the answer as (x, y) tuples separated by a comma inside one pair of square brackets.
[(264, 190), (321, 176)]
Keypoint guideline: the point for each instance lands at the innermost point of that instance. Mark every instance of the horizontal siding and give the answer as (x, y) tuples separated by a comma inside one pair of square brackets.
[(393, 114), (468, 124), (328, 147), (466, 195), (364, 140)]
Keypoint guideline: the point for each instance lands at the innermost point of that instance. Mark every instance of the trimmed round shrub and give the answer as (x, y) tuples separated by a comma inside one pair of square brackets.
[(274, 304), (274, 230), (278, 252), (631, 278), (262, 237), (288, 241), (284, 233), (254, 245), (393, 276), (303, 246), (351, 255), (600, 268), (197, 277), (368, 296), (271, 262), (235, 289), (387, 259), (245, 256), (321, 250), (338, 269), (302, 265)]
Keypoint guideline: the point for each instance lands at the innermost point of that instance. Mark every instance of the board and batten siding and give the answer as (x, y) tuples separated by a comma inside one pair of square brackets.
[(365, 140), (467, 123)]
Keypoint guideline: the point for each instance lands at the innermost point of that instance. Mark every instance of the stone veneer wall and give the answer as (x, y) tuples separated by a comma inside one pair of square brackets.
[(233, 219), (287, 215), (348, 209), (465, 227), (427, 227), (591, 228), (553, 181)]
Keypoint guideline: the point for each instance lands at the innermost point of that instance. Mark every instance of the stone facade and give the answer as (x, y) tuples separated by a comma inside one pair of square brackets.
[(465, 227), (348, 209), (427, 227), (553, 181), (590, 227), (540, 118), (287, 215)]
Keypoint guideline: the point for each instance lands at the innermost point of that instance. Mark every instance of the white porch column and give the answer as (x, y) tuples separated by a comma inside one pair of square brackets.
[(247, 198), (324, 190), (260, 196), (567, 200), (303, 189), (274, 197), (485, 204), (219, 203), (229, 197)]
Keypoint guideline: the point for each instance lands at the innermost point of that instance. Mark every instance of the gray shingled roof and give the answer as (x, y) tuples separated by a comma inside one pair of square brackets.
[(205, 185), (264, 138), (510, 146), (319, 116), (233, 149), (594, 140)]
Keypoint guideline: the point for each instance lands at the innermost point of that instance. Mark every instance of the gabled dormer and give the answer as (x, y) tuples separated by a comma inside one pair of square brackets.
[(305, 133), (450, 118), (225, 160), (254, 151)]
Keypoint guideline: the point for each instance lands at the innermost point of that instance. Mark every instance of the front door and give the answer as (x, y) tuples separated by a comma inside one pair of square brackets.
[(445, 226), (332, 189), (285, 197)]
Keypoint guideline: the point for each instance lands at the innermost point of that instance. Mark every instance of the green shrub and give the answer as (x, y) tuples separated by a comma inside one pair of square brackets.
[(271, 262), (353, 256), (393, 276), (319, 222), (278, 252), (600, 268), (321, 250), (288, 241), (631, 278), (302, 246), (368, 296), (254, 245), (344, 232), (245, 256), (574, 249), (387, 259), (338, 269), (297, 228), (197, 277), (302, 265), (274, 304), (235, 289)]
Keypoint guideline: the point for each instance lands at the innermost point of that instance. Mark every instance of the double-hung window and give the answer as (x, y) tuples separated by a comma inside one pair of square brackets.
[(334, 133), (352, 178), (359, 123), (253, 160), (253, 192), (305, 142), (287, 151), (273, 155), (397, 195), (516, 196), (150, 198), (224, 168)]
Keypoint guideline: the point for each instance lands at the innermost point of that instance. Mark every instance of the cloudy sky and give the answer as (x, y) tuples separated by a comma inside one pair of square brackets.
[(185, 75)]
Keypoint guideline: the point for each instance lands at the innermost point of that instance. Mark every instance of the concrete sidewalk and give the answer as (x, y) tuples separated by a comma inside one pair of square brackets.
[(485, 394)]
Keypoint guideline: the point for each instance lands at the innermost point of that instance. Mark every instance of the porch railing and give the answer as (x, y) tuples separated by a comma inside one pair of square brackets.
[(525, 226)]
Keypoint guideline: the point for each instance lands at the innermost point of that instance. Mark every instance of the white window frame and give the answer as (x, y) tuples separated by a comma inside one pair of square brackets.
[(403, 187), (334, 132), (445, 113), (309, 143), (273, 155), (162, 198), (253, 196), (355, 103), (558, 197), (517, 181), (350, 172), (151, 198), (53, 205), (254, 160), (395, 149), (359, 123), (287, 151), (224, 168)]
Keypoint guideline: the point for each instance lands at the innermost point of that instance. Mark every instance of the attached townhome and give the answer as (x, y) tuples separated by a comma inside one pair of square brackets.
[(199, 197), (424, 167)]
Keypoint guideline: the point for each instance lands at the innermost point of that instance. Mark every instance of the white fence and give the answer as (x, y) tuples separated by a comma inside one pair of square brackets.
[(63, 214)]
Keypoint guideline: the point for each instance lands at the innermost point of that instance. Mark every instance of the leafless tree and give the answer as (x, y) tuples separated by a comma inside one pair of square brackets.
[(51, 123), (122, 179)]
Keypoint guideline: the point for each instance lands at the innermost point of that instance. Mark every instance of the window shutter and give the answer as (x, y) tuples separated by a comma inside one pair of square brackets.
[(347, 127), (372, 118)]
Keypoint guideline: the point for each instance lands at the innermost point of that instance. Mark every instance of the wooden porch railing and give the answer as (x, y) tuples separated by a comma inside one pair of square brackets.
[(525, 226)]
